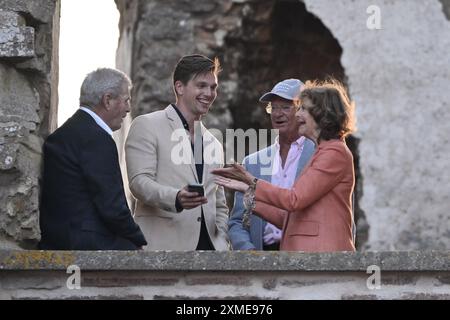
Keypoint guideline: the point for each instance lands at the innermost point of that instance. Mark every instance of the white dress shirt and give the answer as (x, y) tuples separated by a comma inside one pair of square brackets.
[(283, 177), (98, 120)]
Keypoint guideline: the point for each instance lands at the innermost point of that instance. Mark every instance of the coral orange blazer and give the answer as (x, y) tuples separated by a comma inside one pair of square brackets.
[(316, 214)]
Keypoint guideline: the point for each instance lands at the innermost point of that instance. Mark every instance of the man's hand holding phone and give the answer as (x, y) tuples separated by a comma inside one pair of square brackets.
[(192, 196)]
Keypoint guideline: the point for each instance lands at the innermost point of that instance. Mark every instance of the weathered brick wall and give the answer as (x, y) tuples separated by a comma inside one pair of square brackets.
[(29, 32), (225, 275)]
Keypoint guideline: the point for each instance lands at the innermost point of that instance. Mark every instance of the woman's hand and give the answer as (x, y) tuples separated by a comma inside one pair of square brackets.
[(231, 184), (235, 172)]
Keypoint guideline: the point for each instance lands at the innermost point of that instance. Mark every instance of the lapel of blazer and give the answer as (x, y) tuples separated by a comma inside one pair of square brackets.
[(308, 150), (270, 153), (176, 124), (264, 170), (208, 139)]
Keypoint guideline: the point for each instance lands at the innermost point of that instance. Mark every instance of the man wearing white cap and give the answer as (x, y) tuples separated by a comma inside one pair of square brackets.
[(287, 157)]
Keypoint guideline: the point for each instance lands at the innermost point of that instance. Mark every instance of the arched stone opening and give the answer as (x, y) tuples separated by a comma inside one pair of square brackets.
[(278, 40)]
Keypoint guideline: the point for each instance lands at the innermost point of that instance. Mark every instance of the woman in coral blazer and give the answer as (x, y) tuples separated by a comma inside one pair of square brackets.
[(316, 214)]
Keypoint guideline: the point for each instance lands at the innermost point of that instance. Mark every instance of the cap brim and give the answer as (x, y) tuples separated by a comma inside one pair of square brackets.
[(266, 97)]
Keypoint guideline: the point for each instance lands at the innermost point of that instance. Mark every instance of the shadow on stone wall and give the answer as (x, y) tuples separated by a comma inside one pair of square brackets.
[(446, 8)]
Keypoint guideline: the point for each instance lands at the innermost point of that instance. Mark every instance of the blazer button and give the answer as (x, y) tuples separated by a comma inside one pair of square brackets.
[(199, 219)]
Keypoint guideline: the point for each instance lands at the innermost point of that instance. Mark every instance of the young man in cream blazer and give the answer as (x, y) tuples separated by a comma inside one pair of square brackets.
[(164, 155)]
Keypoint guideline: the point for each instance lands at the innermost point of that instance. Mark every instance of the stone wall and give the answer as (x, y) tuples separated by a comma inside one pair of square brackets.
[(29, 33), (224, 275), (399, 79)]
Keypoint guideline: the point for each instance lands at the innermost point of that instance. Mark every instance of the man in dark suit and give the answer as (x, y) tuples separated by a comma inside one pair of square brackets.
[(83, 204)]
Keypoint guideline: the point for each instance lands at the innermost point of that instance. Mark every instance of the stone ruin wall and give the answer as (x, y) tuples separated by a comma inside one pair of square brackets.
[(398, 77), (29, 32)]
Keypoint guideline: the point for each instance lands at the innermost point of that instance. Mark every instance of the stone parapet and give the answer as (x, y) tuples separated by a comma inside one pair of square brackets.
[(224, 275), (224, 261)]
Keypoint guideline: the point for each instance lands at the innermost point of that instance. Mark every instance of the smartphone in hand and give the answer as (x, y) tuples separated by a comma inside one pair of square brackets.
[(197, 188)]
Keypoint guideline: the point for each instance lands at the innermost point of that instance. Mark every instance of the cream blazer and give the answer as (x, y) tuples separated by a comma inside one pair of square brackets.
[(160, 162)]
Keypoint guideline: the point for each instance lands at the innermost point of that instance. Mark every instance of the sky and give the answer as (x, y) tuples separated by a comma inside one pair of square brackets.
[(88, 40)]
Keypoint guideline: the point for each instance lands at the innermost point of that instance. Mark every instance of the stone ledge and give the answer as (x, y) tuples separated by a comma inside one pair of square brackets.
[(224, 261)]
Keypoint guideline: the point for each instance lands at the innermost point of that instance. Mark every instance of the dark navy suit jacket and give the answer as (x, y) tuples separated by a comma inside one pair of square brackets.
[(83, 204)]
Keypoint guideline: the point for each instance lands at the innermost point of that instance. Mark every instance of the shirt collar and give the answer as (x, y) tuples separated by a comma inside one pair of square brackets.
[(182, 118), (299, 142), (98, 120)]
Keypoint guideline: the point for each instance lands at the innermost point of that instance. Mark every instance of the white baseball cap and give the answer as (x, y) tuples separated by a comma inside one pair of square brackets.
[(288, 89)]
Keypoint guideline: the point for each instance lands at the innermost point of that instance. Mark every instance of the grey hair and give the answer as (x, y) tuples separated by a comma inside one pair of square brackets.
[(99, 82)]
